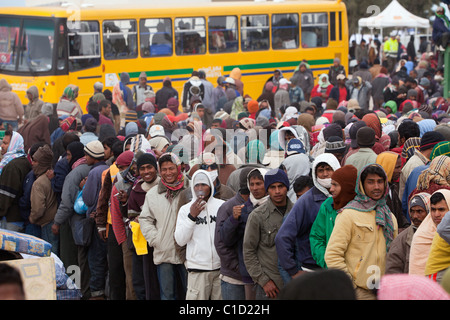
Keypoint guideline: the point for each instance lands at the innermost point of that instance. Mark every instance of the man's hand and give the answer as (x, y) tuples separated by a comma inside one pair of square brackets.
[(197, 207), (237, 211), (55, 229), (271, 289)]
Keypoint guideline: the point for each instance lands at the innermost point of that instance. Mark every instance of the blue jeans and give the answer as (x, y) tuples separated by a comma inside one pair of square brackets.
[(47, 235), (14, 124), (168, 276), (97, 264), (232, 291)]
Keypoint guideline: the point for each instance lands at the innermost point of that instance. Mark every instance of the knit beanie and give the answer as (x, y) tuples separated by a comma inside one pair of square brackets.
[(365, 137), (95, 149), (392, 105), (252, 106), (353, 130), (294, 146), (125, 158), (334, 145), (333, 129), (130, 116), (442, 148), (44, 156), (430, 139), (275, 175), (91, 125), (346, 177), (426, 125), (417, 200)]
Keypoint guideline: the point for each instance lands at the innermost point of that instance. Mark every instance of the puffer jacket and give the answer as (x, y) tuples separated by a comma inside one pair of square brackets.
[(11, 108), (198, 235)]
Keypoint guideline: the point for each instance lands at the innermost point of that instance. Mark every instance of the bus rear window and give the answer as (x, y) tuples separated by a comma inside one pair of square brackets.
[(155, 37), (120, 39), (255, 33), (190, 36), (222, 34), (314, 30), (285, 31)]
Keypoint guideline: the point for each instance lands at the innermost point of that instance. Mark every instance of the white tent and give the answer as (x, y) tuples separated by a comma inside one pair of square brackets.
[(394, 16)]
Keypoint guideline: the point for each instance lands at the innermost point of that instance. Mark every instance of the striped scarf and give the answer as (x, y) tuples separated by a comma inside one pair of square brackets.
[(363, 203), (438, 172), (172, 188), (15, 150)]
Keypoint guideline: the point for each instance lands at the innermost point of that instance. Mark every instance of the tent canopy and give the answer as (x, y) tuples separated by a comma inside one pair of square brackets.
[(395, 15)]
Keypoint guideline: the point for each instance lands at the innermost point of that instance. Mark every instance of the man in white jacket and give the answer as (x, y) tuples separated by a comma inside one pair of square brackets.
[(195, 229)]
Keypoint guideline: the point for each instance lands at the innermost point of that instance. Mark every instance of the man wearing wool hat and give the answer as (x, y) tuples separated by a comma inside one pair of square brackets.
[(260, 256)]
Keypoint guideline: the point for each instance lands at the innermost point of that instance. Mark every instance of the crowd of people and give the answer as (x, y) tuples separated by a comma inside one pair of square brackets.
[(333, 190)]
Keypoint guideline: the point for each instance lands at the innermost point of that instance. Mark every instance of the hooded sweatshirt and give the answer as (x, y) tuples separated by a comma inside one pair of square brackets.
[(198, 234), (296, 228), (34, 107), (11, 107)]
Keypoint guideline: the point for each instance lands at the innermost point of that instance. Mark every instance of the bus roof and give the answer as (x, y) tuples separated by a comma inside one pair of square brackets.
[(92, 12)]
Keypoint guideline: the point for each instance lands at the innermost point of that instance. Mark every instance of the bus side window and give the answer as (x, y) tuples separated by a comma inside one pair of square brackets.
[(222, 34), (120, 39), (155, 37), (255, 33), (190, 36), (314, 30), (84, 46), (285, 31)]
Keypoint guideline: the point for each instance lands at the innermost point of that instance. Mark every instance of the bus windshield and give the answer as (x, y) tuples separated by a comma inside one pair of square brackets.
[(26, 45)]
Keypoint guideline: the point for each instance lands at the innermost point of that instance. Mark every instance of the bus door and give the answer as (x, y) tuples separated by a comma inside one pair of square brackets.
[(85, 63)]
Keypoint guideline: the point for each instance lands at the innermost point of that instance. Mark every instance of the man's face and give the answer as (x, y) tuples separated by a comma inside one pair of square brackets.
[(374, 186), (106, 111), (34, 164), (277, 192), (335, 189), (108, 151), (257, 187), (302, 192), (324, 171), (397, 169), (438, 211), (201, 112), (142, 81), (89, 160), (204, 189), (215, 125), (147, 172), (276, 74), (169, 172), (5, 144), (417, 214), (288, 136)]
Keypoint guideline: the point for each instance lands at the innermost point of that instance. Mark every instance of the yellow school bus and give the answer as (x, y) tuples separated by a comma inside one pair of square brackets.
[(52, 47)]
